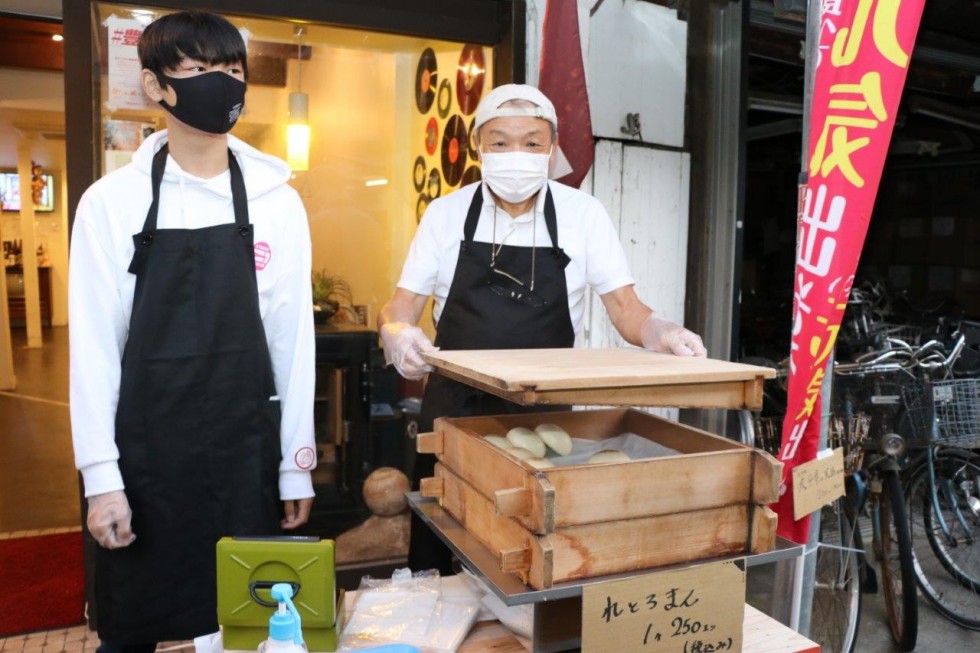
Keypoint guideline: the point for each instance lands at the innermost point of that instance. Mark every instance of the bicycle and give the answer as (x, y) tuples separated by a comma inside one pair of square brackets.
[(873, 488), (943, 490), (837, 590)]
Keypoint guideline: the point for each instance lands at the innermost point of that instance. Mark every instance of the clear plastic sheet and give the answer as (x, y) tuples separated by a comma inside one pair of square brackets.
[(634, 446), (407, 609)]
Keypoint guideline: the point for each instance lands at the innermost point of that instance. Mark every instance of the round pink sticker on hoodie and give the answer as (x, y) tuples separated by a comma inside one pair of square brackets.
[(263, 253)]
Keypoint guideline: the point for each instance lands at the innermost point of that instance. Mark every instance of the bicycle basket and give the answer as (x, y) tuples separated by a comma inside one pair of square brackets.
[(910, 334), (848, 433), (952, 405)]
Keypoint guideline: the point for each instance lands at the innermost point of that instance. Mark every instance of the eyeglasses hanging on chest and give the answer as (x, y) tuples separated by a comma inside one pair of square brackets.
[(504, 283)]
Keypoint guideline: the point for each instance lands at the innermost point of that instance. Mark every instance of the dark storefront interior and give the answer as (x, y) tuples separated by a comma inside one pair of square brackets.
[(924, 236)]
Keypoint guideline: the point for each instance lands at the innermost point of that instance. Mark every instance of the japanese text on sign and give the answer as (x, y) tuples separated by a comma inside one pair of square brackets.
[(817, 483), (693, 610)]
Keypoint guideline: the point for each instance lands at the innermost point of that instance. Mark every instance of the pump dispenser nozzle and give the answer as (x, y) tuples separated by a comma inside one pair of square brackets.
[(285, 624)]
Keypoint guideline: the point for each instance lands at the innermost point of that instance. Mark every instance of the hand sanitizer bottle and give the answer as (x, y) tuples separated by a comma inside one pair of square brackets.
[(285, 627)]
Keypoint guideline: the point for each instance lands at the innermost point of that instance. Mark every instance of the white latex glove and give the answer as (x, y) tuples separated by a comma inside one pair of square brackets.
[(109, 519), (402, 344), (658, 334)]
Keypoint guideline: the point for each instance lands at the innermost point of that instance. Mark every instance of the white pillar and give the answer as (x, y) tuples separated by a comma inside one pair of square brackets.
[(32, 295)]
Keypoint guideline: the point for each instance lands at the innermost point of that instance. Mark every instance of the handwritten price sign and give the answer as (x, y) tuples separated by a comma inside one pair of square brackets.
[(817, 483), (693, 610)]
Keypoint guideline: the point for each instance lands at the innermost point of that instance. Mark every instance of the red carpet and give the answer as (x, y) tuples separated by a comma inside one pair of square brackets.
[(42, 583)]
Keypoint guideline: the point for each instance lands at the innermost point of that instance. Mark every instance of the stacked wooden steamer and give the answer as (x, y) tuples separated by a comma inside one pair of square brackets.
[(573, 522)]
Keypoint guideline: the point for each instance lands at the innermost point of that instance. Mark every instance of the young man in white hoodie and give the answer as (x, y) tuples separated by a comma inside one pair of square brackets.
[(192, 350)]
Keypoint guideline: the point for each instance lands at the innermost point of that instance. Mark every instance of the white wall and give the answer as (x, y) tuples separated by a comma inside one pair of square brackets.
[(635, 55)]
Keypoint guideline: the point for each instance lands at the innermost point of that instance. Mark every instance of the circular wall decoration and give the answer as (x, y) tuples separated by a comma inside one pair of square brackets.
[(471, 175), (420, 206), (425, 80), (454, 150), (435, 184), (444, 99), (431, 136), (470, 74), (418, 173), (471, 145)]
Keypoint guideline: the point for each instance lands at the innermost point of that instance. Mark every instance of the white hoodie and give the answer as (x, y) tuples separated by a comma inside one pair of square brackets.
[(100, 297)]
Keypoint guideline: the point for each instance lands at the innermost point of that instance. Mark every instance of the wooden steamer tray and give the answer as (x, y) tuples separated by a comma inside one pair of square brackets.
[(579, 521), (710, 472), (608, 377), (603, 548)]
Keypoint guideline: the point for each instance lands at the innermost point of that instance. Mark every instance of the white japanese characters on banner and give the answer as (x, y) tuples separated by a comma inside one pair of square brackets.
[(125, 91)]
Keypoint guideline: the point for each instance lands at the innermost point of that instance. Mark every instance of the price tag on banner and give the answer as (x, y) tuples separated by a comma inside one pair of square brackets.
[(693, 610), (817, 483)]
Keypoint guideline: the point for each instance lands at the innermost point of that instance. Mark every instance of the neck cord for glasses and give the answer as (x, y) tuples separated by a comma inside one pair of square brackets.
[(494, 248)]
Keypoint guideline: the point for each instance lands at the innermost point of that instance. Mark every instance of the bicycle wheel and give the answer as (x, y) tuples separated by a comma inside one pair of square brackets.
[(836, 609), (947, 566), (894, 552)]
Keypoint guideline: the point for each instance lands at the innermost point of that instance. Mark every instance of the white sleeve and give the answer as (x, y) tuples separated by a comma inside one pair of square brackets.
[(97, 333), (421, 269), (606, 265), (288, 326)]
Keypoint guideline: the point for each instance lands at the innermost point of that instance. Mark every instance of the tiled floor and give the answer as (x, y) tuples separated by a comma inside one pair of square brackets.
[(77, 639)]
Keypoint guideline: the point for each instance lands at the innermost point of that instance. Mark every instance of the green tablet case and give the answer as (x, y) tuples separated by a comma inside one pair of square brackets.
[(247, 569)]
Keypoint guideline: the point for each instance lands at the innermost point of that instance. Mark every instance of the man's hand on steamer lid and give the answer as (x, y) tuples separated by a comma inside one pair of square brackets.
[(403, 346), (658, 334), (110, 519)]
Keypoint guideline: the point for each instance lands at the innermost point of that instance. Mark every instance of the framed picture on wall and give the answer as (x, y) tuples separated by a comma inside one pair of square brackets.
[(10, 192)]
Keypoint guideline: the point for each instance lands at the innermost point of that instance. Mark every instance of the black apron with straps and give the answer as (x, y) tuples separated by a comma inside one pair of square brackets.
[(197, 425), (476, 317)]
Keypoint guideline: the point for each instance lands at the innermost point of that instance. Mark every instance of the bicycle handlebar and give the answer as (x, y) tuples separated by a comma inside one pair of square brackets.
[(928, 358)]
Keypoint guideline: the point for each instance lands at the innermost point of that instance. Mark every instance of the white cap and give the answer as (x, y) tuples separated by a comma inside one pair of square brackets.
[(489, 107)]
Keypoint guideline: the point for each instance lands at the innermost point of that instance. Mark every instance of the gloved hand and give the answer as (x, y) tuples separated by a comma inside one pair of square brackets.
[(658, 334), (402, 344), (109, 519)]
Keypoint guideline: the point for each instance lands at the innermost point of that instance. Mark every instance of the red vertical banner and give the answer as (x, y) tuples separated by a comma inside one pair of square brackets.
[(864, 52), (562, 79)]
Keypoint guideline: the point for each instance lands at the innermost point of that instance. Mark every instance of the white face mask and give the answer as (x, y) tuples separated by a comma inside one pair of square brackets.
[(515, 176)]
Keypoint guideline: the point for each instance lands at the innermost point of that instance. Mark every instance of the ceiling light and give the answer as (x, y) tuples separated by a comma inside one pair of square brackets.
[(298, 129), (57, 37)]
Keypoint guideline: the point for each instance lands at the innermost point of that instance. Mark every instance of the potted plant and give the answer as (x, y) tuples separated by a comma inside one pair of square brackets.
[(331, 296)]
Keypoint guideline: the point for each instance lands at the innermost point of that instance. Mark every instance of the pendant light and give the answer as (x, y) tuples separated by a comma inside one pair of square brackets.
[(298, 129)]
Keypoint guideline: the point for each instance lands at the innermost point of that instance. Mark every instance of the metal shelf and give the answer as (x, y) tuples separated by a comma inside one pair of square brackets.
[(509, 589)]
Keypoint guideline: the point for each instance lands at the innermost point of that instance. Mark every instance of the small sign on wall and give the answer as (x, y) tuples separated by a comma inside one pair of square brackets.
[(698, 608), (817, 483)]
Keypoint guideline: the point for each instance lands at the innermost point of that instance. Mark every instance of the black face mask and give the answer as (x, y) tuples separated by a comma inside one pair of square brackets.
[(210, 102)]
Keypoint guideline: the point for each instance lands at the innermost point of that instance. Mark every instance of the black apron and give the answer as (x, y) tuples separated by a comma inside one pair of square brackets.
[(197, 425), (475, 317)]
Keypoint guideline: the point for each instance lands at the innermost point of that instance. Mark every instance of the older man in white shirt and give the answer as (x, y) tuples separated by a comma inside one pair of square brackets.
[(508, 262)]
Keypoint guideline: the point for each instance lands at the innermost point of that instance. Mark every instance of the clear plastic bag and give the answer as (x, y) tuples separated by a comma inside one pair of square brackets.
[(400, 609), (407, 609)]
